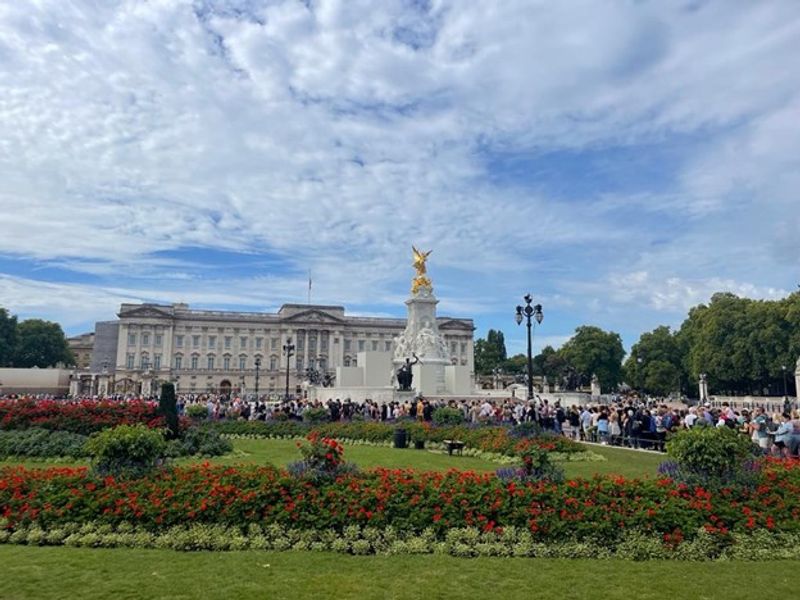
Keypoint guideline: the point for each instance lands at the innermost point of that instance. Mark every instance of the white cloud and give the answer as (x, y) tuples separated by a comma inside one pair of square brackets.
[(333, 134)]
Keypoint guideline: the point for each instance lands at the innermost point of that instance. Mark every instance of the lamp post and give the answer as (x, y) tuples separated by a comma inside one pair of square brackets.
[(529, 311), (288, 349), (785, 389), (258, 366)]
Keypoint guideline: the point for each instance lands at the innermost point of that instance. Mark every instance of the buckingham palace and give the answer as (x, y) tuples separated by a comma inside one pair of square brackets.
[(239, 352)]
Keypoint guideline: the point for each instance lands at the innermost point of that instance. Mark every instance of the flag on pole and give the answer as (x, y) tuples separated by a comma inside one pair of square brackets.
[(309, 286)]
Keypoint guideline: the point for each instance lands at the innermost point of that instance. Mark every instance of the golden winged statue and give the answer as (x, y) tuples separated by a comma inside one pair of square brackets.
[(419, 260), (421, 280)]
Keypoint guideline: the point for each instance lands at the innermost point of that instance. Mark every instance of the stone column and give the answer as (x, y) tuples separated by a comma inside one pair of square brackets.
[(306, 337), (703, 387), (596, 391)]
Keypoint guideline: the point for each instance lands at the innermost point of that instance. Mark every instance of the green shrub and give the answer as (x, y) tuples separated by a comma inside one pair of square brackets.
[(197, 411), (42, 443), (448, 416), (127, 450), (204, 442), (710, 455), (315, 416)]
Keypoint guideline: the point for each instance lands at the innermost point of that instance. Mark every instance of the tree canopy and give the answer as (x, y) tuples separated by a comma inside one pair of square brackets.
[(32, 343)]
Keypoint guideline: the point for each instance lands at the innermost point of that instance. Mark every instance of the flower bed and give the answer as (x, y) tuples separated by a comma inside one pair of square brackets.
[(497, 440), (598, 511), (84, 417)]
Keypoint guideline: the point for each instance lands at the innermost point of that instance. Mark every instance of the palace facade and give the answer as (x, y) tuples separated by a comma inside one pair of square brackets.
[(237, 352)]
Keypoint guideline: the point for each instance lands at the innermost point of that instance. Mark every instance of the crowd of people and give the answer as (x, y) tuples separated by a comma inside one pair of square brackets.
[(629, 422)]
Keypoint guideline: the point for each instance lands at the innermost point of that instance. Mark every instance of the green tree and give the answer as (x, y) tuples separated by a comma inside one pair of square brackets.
[(516, 364), (592, 351), (490, 352), (41, 344), (742, 344), (550, 363), (8, 337), (655, 364)]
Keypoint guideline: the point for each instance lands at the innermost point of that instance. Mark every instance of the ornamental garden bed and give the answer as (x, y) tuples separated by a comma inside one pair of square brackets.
[(392, 510)]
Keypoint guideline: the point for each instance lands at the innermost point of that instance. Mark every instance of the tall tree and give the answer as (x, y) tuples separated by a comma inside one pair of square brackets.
[(8, 337), (592, 351), (490, 352), (655, 364), (41, 344)]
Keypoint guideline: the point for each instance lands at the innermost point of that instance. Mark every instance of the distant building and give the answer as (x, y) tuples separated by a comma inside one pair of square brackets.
[(81, 347), (216, 351)]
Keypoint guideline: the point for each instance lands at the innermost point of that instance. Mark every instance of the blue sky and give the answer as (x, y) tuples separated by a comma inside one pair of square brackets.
[(622, 161)]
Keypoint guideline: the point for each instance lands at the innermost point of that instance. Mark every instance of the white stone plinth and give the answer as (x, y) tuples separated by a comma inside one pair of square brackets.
[(428, 379), (349, 377), (458, 380), (376, 367)]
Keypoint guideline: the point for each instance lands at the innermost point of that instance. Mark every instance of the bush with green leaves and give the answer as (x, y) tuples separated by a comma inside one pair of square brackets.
[(204, 442), (127, 450), (711, 456), (197, 411), (317, 415), (448, 416), (42, 443)]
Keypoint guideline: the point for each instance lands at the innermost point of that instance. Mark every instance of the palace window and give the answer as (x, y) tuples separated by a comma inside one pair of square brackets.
[(195, 341), (453, 347), (212, 341), (156, 361), (178, 362), (463, 347), (360, 345), (347, 344), (159, 339), (194, 363), (131, 339), (145, 339), (273, 344), (129, 361), (228, 340), (259, 341), (242, 342), (210, 362), (179, 341), (299, 363), (242, 363), (226, 363), (273, 363), (387, 346)]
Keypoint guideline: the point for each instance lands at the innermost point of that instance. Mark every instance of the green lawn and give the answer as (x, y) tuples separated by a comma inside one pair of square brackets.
[(57, 572), (280, 452)]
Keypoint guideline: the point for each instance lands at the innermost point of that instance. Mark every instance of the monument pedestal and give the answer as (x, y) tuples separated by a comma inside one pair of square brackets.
[(422, 344)]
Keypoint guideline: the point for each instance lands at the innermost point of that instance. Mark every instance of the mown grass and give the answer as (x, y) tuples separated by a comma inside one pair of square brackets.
[(280, 452), (56, 572)]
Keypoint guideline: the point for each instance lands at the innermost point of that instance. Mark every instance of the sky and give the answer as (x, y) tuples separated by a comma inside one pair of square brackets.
[(620, 160)]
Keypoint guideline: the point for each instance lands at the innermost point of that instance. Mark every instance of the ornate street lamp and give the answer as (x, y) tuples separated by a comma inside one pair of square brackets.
[(288, 349), (529, 311), (258, 366)]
